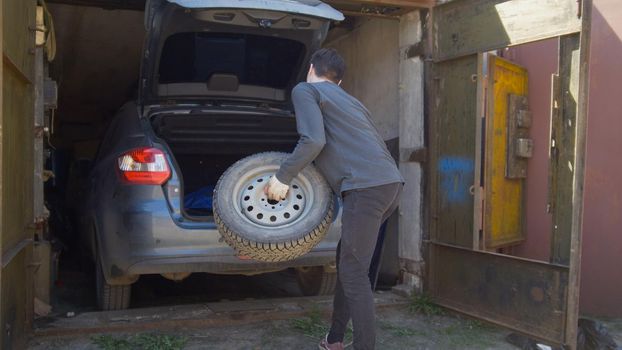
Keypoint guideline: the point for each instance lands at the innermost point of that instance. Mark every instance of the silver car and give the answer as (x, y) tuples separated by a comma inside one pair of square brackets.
[(214, 88)]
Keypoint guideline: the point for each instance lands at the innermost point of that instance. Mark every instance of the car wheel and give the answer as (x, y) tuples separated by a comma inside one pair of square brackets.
[(315, 280), (268, 230), (110, 297)]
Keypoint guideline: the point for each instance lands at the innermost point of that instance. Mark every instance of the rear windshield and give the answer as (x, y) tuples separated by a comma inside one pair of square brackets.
[(254, 59)]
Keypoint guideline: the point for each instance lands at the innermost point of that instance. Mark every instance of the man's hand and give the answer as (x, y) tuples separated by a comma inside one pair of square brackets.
[(275, 189)]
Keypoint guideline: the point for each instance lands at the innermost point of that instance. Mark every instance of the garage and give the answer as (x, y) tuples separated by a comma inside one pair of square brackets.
[(423, 68)]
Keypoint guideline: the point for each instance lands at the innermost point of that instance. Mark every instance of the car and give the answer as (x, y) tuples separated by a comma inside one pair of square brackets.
[(214, 87)]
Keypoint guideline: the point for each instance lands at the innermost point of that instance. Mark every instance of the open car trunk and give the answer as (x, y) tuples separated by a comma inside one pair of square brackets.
[(204, 145), (241, 58)]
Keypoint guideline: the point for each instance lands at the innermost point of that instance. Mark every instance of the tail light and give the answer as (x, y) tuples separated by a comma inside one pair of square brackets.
[(144, 166)]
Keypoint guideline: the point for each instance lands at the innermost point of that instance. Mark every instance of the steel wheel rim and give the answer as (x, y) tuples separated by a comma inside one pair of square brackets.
[(256, 209)]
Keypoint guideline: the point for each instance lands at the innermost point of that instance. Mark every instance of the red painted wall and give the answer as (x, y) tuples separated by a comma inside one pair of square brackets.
[(540, 59), (601, 274), (601, 277)]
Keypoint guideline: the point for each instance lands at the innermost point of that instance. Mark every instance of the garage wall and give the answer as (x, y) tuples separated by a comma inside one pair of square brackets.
[(391, 85), (371, 54), (97, 68), (540, 59), (601, 278)]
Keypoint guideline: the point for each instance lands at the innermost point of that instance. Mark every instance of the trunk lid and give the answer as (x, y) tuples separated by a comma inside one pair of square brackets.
[(245, 50)]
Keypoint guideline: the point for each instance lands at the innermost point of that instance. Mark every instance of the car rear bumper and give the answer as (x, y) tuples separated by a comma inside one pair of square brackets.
[(142, 237), (229, 264)]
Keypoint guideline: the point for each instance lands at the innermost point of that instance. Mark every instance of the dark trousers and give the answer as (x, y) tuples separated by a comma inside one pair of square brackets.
[(364, 211)]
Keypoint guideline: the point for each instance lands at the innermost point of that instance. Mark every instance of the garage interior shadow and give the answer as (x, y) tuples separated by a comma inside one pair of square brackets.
[(96, 68), (73, 290)]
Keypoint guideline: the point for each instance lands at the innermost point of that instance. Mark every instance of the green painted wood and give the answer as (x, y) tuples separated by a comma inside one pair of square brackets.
[(17, 171), (19, 39), (464, 27), (16, 304), (452, 150)]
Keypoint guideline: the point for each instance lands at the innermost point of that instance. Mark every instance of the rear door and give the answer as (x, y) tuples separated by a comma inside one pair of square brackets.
[(229, 35), (474, 189)]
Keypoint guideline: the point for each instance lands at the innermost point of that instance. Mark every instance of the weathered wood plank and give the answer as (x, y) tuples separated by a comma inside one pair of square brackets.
[(563, 137), (478, 181), (16, 170), (465, 27), (409, 4), (572, 311), (2, 297), (17, 158), (452, 150), (19, 38), (16, 302), (400, 6)]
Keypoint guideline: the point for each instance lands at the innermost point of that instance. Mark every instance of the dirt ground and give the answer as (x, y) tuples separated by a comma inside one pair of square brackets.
[(397, 329), (227, 300)]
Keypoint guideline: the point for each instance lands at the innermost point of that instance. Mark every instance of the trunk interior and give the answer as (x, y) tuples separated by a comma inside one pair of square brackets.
[(204, 145)]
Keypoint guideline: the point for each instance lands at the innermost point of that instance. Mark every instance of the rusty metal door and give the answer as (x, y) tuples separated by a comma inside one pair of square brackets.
[(478, 139)]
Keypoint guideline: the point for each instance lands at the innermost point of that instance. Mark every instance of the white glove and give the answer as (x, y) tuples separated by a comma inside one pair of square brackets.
[(275, 189)]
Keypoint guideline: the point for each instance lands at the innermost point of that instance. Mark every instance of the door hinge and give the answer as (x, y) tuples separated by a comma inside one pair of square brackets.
[(579, 8), (418, 155)]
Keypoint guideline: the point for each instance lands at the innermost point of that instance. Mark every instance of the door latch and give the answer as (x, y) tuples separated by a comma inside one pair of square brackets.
[(519, 145)]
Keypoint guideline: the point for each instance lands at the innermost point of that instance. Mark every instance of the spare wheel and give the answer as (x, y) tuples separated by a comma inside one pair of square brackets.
[(268, 230)]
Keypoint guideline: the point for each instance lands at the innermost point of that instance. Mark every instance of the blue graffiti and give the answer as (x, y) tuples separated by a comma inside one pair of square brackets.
[(456, 175)]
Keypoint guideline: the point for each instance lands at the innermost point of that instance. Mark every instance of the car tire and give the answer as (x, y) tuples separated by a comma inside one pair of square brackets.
[(315, 280), (266, 230), (110, 297)]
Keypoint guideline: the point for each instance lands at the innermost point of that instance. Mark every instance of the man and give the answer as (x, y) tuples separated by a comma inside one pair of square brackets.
[(337, 133)]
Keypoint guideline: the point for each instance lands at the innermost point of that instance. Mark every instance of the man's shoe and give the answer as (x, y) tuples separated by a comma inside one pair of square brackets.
[(325, 345)]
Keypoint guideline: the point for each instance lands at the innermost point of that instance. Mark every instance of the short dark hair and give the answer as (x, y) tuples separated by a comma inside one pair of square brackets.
[(328, 64)]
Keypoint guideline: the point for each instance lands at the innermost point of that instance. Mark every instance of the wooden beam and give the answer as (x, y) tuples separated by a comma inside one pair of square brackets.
[(563, 133), (2, 87), (465, 27), (138, 5), (397, 3), (574, 278), (376, 15)]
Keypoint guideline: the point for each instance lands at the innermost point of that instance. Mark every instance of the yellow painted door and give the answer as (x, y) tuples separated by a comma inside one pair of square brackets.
[(503, 191)]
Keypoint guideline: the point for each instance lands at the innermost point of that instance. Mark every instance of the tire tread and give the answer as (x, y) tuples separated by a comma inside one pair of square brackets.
[(272, 251)]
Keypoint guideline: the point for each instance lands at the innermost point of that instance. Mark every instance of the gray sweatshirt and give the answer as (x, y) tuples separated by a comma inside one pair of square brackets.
[(336, 131)]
